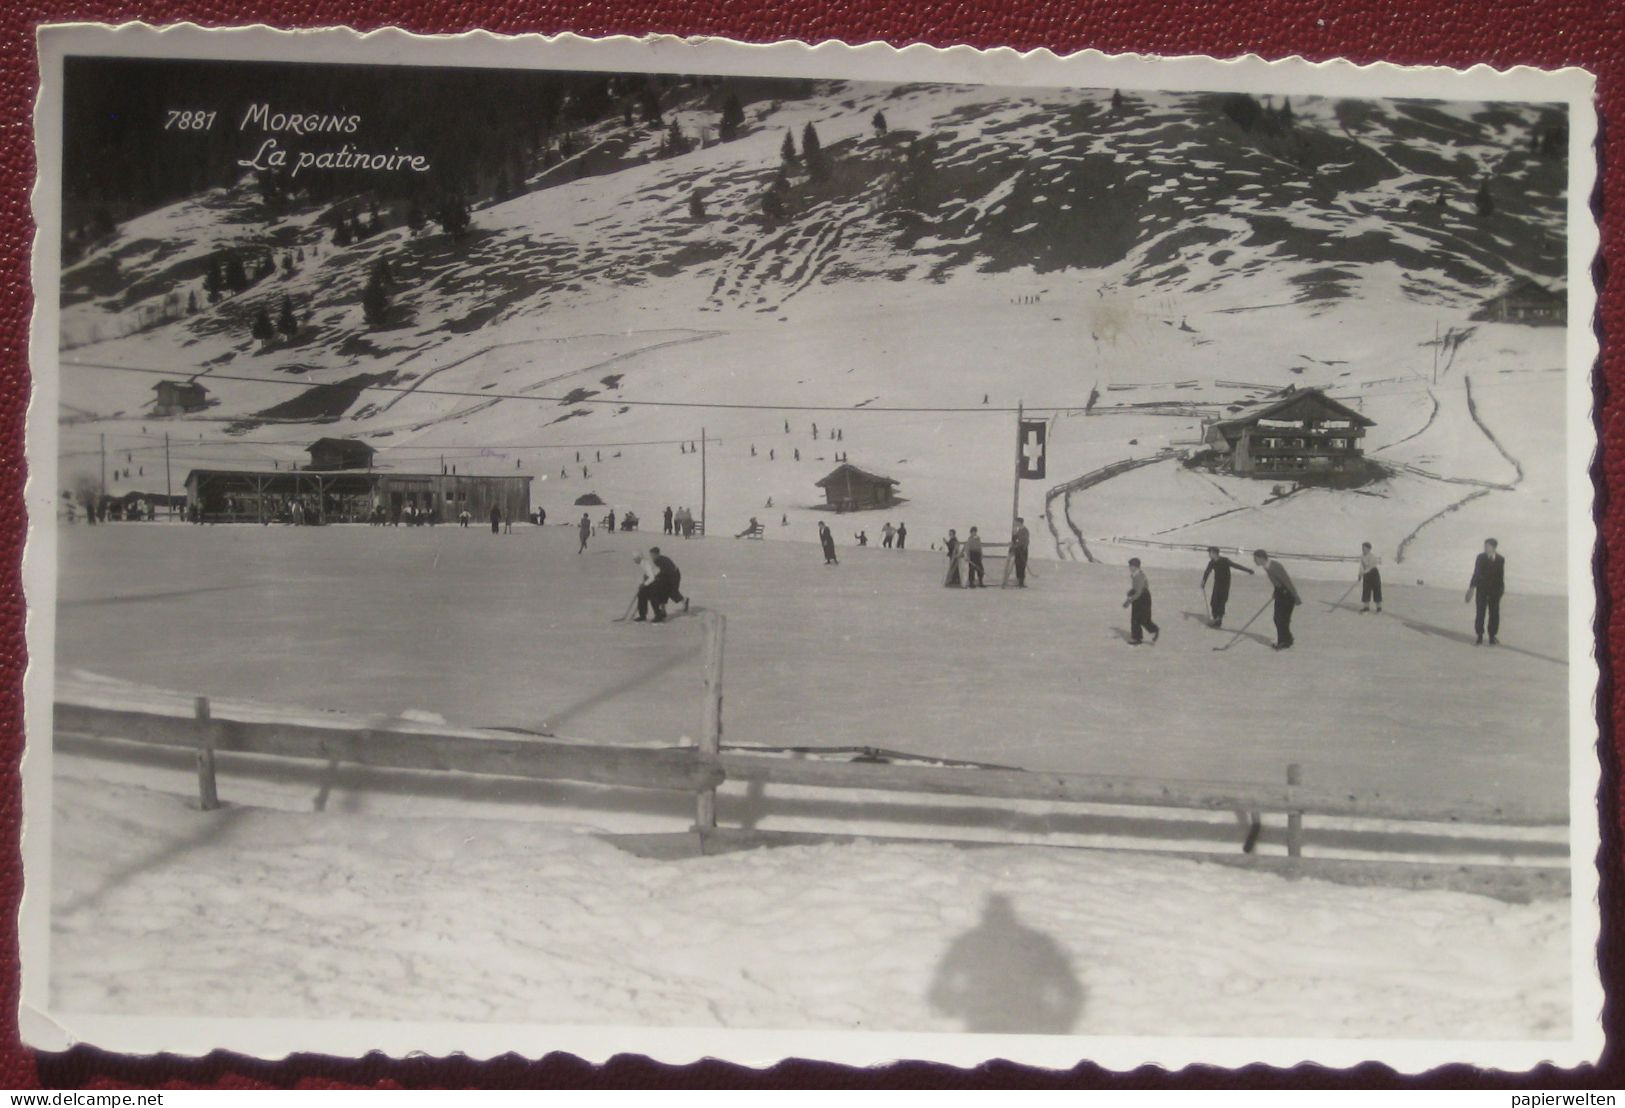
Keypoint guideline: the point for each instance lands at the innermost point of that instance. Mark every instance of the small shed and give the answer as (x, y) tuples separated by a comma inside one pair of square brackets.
[(1526, 302), (850, 489), (589, 500), (326, 454), (179, 397)]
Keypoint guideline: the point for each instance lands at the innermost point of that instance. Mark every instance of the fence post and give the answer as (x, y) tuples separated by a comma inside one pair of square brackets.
[(1294, 820), (710, 748), (208, 799)]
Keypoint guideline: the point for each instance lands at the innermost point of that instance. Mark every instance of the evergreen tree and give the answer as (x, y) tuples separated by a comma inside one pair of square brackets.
[(286, 323), (415, 219), (262, 329), (266, 268), (341, 234), (236, 275), (191, 302), (787, 152), (626, 113), (287, 265), (356, 234), (1117, 99), (733, 117), (375, 301), (696, 206), (773, 207), (374, 225), (813, 152), (1483, 201), (453, 215), (214, 281), (1286, 109)]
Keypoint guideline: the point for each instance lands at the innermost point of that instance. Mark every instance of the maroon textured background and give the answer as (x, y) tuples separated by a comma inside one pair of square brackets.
[(1546, 33)]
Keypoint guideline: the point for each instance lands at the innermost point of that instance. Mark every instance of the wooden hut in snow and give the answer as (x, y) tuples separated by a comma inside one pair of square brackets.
[(850, 489), (1301, 434)]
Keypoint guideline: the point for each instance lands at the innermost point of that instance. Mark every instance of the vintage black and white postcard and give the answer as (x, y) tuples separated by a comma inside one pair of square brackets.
[(706, 550)]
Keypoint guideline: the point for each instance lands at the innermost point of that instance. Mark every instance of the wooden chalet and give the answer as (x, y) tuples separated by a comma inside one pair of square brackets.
[(179, 397), (850, 489), (328, 454), (1301, 434), (1526, 302)]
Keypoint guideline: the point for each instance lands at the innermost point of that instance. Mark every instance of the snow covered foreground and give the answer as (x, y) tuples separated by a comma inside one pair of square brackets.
[(160, 909)]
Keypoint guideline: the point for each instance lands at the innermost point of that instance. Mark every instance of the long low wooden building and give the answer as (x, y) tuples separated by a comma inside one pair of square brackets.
[(351, 496)]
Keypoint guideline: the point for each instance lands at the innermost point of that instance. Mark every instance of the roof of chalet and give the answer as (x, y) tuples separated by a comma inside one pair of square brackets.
[(342, 444), (1270, 406), (846, 469), (1530, 291)]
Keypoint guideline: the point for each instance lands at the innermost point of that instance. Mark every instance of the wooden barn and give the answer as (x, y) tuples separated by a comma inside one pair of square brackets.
[(328, 454), (179, 397), (1526, 302), (352, 496), (1301, 434), (850, 489)]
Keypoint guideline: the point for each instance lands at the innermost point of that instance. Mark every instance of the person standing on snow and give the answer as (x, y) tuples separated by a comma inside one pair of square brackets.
[(1219, 568), (1020, 540), (902, 535), (1139, 605), (668, 519), (585, 527), (1286, 598), (951, 543), (887, 533), (496, 519), (1370, 579), (974, 578), (826, 538), (1489, 582)]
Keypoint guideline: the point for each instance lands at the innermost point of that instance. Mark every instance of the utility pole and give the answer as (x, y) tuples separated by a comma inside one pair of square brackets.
[(1015, 503), (102, 491), (169, 490), (702, 481)]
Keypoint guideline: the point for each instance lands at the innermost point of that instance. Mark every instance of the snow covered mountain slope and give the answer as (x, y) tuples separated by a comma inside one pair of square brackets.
[(993, 245)]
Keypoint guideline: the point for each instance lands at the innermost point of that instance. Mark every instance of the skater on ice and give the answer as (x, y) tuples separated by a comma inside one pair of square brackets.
[(1139, 605), (902, 535), (1286, 597), (1219, 567), (585, 527), (951, 545), (496, 519), (1489, 582), (1370, 579), (887, 534), (974, 577), (662, 584)]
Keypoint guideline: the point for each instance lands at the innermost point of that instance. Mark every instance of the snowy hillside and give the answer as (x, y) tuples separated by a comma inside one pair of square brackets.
[(991, 246)]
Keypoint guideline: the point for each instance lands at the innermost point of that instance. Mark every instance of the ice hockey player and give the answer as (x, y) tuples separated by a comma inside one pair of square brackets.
[(1139, 605), (826, 538), (496, 519), (1286, 597), (902, 535), (887, 533), (585, 527), (667, 585), (1219, 567), (951, 543), (1370, 579), (974, 578), (1489, 582), (1019, 542)]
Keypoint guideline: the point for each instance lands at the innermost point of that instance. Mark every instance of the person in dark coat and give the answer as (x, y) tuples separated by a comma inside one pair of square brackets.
[(974, 574), (1286, 598), (585, 527), (902, 535), (496, 519), (1490, 583), (826, 538), (1020, 540), (668, 519), (665, 586), (1219, 567)]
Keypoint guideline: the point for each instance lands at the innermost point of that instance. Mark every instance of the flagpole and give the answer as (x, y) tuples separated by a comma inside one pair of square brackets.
[(1015, 503)]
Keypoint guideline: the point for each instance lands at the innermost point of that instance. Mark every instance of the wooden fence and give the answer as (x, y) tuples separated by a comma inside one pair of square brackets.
[(108, 712)]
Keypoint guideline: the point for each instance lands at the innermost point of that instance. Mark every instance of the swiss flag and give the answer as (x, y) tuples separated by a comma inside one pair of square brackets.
[(1032, 449)]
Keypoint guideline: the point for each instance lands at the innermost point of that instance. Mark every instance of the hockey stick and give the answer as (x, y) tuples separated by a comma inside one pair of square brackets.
[(1243, 630), (1338, 603), (624, 616)]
